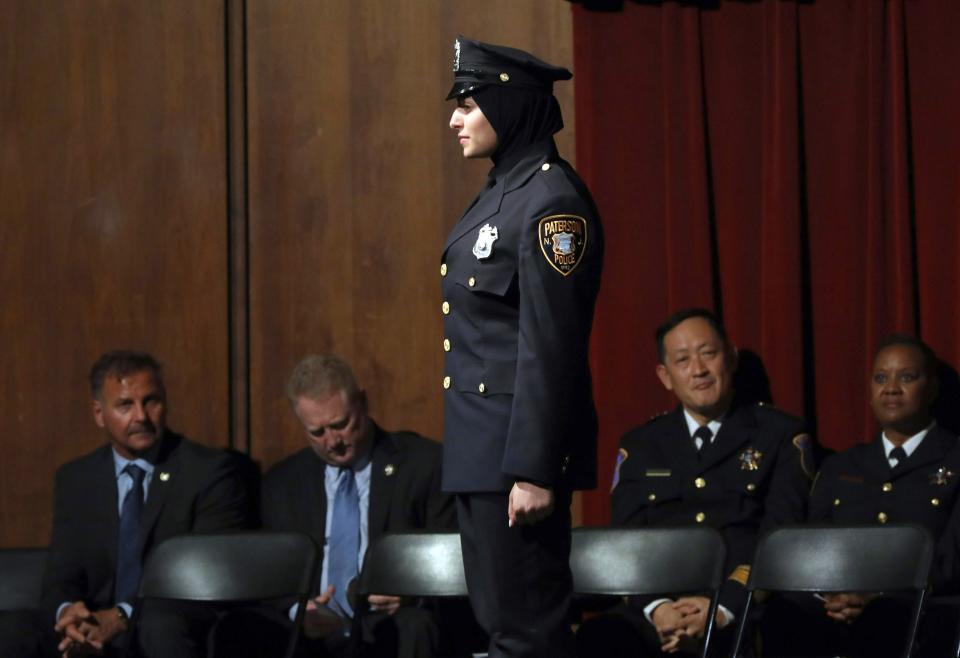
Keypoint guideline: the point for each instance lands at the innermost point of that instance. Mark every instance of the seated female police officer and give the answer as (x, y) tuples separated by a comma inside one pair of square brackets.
[(520, 273), (908, 474)]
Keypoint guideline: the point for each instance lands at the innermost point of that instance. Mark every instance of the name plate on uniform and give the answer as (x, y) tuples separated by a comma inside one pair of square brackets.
[(659, 472)]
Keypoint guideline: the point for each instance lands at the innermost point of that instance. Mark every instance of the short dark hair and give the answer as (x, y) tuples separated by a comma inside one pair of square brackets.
[(683, 315), (909, 340), (119, 364)]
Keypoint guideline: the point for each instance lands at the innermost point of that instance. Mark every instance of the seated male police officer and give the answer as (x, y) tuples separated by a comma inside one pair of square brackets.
[(908, 474), (739, 468)]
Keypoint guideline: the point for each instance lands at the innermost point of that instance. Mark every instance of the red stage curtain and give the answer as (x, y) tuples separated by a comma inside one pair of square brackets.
[(794, 165)]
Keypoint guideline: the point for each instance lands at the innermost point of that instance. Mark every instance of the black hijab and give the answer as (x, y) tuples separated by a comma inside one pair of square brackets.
[(520, 117)]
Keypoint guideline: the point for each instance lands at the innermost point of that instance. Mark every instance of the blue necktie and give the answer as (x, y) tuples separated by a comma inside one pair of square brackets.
[(343, 566), (128, 540)]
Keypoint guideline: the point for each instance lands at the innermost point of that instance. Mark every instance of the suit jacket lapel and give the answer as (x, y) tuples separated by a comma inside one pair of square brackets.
[(931, 450), (736, 430), (677, 444), (385, 462), (165, 473), (105, 506), (486, 206), (314, 486), (874, 463)]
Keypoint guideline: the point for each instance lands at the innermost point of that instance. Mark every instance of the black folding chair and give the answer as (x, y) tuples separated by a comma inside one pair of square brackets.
[(414, 564), (637, 561), (21, 576), (236, 567), (889, 558)]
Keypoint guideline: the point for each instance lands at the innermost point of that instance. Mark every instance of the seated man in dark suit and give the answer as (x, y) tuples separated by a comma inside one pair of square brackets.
[(112, 506), (910, 473), (353, 482), (739, 468)]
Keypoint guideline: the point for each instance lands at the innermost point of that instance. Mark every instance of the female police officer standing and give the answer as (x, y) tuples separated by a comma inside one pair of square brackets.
[(520, 274)]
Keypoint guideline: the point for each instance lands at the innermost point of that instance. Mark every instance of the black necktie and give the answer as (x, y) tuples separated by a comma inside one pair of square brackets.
[(128, 541), (704, 434), (899, 454)]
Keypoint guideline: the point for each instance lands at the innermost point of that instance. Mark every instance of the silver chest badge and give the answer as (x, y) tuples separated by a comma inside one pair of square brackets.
[(484, 245)]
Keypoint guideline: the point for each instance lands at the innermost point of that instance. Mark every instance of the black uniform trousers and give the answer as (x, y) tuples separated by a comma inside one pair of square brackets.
[(518, 578)]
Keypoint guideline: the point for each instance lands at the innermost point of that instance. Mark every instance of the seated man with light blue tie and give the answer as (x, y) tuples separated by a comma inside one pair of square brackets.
[(112, 506), (353, 482)]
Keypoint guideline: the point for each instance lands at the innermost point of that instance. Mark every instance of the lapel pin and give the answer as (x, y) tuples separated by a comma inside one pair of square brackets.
[(750, 459), (941, 476), (164, 476), (389, 469)]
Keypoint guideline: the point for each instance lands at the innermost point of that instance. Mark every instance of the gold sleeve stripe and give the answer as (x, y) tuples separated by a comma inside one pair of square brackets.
[(741, 574)]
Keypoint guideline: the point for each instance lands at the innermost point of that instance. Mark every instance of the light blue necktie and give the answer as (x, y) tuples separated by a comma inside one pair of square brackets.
[(344, 546), (128, 538)]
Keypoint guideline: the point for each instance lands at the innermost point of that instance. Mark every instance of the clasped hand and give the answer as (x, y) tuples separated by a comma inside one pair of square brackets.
[(85, 632), (846, 606), (681, 624), (319, 621)]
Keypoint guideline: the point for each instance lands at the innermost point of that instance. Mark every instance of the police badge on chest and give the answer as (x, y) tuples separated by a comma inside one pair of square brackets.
[(484, 245)]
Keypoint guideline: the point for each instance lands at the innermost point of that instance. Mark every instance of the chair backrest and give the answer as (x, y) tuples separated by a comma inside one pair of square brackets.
[(21, 575), (884, 558), (843, 559), (414, 564), (624, 561), (231, 567)]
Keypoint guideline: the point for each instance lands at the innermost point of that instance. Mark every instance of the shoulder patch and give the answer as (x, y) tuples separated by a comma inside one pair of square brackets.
[(621, 457), (563, 241), (802, 442)]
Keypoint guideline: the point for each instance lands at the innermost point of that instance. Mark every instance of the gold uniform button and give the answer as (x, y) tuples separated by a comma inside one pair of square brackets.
[(545, 167), (446, 308), (443, 269), (935, 502), (882, 517), (446, 382), (836, 502), (887, 486), (751, 487), (504, 77), (699, 483), (481, 388), (652, 497), (700, 517), (472, 281), (446, 344)]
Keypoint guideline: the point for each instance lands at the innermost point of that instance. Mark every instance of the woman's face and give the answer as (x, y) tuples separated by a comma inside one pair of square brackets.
[(901, 392), (477, 137)]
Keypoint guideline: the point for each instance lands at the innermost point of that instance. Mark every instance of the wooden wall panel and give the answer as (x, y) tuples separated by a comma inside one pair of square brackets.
[(112, 225), (355, 180)]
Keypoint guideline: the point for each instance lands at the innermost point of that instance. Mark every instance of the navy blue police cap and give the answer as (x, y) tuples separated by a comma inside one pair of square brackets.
[(477, 65)]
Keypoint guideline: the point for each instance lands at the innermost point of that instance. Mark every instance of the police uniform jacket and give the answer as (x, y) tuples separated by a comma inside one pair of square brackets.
[(520, 274), (858, 486), (754, 475)]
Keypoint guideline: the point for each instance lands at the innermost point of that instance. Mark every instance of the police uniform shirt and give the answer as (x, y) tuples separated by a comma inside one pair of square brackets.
[(692, 426), (908, 446)]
